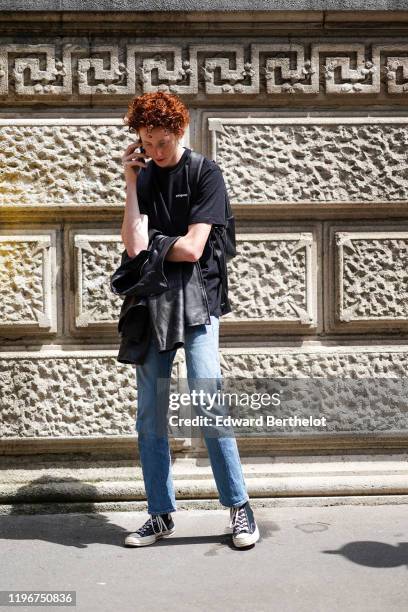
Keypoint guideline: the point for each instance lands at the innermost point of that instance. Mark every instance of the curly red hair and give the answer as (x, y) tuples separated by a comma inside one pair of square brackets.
[(158, 109)]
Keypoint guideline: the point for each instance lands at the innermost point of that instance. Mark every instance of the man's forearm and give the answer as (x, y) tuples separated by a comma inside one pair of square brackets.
[(191, 246), (134, 228), (182, 250)]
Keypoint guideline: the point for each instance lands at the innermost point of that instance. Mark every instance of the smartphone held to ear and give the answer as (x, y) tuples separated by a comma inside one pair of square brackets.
[(142, 150)]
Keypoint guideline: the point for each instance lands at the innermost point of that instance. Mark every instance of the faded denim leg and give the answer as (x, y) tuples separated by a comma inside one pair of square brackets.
[(154, 448), (202, 360)]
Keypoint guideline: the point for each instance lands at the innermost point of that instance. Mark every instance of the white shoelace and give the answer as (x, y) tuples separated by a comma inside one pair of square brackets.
[(239, 519), (150, 522)]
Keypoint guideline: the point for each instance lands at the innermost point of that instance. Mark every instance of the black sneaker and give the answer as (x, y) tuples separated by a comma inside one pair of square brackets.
[(244, 528), (157, 526)]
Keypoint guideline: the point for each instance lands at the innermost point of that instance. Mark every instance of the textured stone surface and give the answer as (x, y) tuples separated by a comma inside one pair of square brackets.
[(373, 277), (317, 163), (351, 393), (70, 164), (353, 363), (66, 397), (351, 150), (271, 276), (27, 279), (71, 396), (93, 396), (318, 406)]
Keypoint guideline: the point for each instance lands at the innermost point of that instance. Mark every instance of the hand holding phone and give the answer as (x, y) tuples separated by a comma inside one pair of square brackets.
[(133, 159)]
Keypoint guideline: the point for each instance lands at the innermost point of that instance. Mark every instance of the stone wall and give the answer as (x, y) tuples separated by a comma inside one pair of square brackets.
[(308, 123)]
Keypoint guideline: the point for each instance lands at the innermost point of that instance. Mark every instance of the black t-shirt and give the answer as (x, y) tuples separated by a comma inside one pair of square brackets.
[(168, 211)]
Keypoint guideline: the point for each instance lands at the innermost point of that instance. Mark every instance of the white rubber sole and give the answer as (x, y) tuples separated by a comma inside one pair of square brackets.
[(132, 540), (247, 539)]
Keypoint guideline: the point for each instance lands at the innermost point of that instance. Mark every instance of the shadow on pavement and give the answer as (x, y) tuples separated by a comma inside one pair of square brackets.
[(373, 554), (29, 520)]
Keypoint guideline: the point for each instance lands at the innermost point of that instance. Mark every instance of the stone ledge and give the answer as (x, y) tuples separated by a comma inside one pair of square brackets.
[(203, 504), (169, 6), (193, 480), (123, 448)]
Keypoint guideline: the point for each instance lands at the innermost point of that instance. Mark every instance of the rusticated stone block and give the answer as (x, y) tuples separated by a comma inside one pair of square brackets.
[(90, 394), (358, 390), (328, 362), (313, 159), (75, 394), (49, 162), (63, 164)]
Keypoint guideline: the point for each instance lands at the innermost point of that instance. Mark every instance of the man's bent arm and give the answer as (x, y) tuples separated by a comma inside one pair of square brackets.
[(191, 246), (135, 225)]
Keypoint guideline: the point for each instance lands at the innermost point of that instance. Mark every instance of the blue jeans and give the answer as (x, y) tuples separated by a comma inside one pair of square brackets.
[(202, 361)]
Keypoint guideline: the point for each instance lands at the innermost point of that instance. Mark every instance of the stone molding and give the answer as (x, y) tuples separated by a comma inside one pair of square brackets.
[(171, 6)]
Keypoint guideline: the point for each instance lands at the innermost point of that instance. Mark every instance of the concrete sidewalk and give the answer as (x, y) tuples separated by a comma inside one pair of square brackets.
[(309, 559)]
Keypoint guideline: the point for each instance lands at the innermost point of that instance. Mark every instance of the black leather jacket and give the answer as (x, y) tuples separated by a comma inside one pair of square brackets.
[(161, 297)]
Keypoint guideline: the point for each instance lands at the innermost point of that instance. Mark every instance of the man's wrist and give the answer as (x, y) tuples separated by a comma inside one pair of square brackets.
[(130, 184), (132, 178)]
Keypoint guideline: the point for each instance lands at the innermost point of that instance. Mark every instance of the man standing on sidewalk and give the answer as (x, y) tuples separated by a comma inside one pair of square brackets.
[(160, 119)]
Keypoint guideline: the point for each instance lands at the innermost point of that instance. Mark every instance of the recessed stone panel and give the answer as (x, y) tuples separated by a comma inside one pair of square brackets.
[(94, 257), (370, 289), (273, 279), (28, 281)]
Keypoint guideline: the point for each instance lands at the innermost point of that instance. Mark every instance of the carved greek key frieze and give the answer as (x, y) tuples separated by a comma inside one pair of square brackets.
[(215, 69), (55, 79)]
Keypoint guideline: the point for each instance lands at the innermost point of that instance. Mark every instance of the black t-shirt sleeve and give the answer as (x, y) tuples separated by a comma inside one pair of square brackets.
[(142, 206), (209, 206)]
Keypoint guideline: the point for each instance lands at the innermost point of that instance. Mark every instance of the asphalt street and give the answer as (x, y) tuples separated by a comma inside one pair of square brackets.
[(327, 559)]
